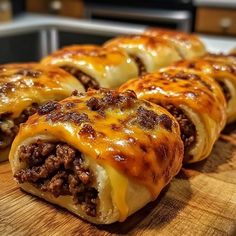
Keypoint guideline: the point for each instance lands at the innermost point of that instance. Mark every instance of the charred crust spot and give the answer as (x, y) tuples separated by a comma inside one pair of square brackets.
[(146, 118), (29, 73), (76, 118), (143, 147), (94, 104), (165, 121), (74, 93), (48, 107), (88, 131)]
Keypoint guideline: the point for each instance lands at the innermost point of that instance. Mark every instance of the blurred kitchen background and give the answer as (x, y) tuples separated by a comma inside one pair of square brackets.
[(30, 29)]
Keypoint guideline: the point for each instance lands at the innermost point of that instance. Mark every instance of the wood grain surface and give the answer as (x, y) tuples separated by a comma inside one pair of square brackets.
[(201, 200)]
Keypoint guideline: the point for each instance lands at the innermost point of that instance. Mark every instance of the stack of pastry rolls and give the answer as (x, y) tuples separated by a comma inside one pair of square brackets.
[(103, 154)]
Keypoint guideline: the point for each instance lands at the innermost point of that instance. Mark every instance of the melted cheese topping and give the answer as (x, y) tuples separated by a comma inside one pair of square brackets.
[(227, 58), (188, 45), (24, 84), (119, 193), (188, 88), (150, 157), (109, 67), (155, 53), (220, 69)]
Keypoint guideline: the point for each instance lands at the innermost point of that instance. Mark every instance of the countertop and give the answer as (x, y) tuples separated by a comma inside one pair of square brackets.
[(216, 3)]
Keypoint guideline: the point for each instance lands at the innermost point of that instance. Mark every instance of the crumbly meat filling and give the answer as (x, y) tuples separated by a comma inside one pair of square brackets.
[(86, 80), (225, 90), (187, 128), (141, 67), (59, 169), (9, 126)]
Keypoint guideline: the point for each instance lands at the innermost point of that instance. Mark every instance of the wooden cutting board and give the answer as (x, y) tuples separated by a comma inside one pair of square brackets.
[(201, 200)]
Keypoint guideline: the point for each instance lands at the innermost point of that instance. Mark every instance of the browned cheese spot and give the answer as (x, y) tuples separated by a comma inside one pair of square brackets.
[(74, 117), (146, 118), (88, 131), (112, 99), (48, 107)]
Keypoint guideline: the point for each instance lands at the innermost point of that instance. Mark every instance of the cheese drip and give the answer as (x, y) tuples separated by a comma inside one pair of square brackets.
[(119, 185)]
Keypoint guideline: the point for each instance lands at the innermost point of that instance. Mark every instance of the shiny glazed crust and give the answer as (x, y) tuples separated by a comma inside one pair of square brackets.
[(188, 45), (221, 69), (196, 94), (110, 68), (24, 84), (132, 146), (155, 53), (227, 58)]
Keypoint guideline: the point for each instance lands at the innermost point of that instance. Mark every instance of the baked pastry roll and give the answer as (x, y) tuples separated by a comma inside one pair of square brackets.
[(150, 54), (94, 66), (193, 98), (230, 58), (23, 87), (102, 155), (224, 73), (188, 45)]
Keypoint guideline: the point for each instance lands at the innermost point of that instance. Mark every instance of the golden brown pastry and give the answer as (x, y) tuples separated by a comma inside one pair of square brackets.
[(193, 98), (229, 58), (23, 87), (223, 71), (188, 45), (102, 155), (94, 66), (149, 53)]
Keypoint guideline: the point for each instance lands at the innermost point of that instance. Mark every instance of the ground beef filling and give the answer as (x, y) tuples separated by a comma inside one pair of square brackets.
[(141, 67), (59, 169), (86, 80), (225, 90), (9, 126), (187, 128)]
